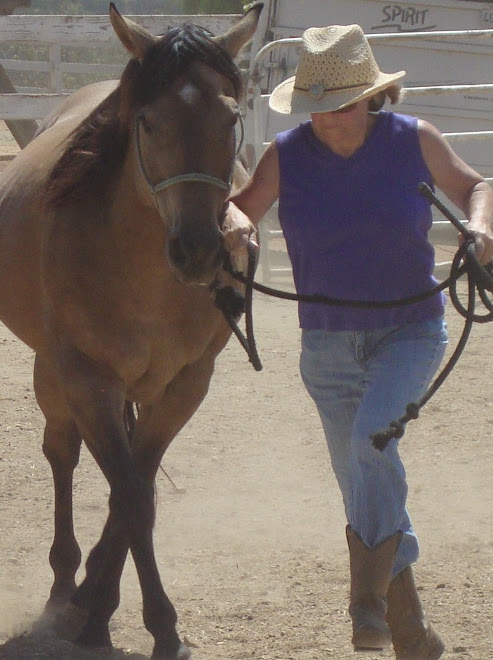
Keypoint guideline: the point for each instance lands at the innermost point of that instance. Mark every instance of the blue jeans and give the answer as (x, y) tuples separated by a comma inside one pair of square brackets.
[(361, 381)]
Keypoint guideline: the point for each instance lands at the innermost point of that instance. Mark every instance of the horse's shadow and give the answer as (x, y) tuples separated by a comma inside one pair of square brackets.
[(46, 646)]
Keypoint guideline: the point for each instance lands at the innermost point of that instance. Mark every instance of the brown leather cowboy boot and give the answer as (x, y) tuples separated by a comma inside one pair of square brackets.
[(413, 637), (371, 572)]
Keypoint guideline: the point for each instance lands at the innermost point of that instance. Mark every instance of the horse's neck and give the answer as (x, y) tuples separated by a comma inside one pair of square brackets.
[(139, 231)]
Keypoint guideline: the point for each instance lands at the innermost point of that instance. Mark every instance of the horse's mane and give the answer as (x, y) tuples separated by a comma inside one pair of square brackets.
[(96, 148)]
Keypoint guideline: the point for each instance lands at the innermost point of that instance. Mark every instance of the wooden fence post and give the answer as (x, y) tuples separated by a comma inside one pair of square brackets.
[(22, 129), (56, 77)]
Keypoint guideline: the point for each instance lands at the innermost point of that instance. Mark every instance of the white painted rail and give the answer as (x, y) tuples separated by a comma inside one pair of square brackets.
[(96, 30), (58, 32)]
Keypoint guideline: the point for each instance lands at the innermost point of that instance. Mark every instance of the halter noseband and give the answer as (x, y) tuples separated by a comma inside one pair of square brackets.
[(195, 177)]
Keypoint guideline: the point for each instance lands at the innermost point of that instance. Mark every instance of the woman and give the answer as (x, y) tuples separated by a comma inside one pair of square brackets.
[(356, 228)]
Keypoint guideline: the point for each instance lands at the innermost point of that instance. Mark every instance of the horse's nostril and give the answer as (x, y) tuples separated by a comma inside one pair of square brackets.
[(195, 261), (176, 253)]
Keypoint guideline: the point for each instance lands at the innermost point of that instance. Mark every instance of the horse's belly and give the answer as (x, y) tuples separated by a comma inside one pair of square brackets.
[(20, 291), (21, 236)]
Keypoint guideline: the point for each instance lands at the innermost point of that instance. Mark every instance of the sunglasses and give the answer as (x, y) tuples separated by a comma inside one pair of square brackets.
[(345, 109)]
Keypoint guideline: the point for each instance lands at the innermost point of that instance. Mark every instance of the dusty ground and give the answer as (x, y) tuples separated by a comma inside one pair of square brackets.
[(251, 547), (8, 146)]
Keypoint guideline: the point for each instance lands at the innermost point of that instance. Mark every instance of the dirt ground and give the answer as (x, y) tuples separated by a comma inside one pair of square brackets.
[(250, 538)]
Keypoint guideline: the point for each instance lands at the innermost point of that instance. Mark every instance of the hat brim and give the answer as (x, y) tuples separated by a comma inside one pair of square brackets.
[(287, 100)]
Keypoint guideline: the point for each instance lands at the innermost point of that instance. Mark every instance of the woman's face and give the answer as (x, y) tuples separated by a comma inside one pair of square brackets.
[(352, 118)]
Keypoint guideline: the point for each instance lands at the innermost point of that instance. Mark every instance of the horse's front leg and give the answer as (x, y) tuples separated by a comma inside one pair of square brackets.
[(157, 425), (97, 399), (98, 596)]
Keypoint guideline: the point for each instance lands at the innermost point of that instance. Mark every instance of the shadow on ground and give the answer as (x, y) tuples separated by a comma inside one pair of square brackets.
[(42, 646)]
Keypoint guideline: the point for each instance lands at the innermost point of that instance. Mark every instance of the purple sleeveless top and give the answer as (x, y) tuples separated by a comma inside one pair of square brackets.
[(356, 228)]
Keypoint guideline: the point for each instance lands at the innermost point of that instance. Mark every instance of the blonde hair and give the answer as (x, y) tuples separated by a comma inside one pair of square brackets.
[(393, 93)]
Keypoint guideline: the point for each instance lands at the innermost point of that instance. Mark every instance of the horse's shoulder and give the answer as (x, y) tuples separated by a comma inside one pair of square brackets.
[(34, 163)]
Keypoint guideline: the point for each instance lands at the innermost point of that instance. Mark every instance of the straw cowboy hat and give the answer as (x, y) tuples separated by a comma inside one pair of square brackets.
[(336, 67)]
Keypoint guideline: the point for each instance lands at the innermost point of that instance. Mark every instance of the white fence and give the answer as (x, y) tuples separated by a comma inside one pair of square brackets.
[(58, 33), (442, 235)]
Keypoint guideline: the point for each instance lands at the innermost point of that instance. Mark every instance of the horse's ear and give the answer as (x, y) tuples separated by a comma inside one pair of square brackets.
[(136, 39), (241, 33)]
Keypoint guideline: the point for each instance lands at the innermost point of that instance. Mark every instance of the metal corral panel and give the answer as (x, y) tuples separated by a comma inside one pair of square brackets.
[(433, 61)]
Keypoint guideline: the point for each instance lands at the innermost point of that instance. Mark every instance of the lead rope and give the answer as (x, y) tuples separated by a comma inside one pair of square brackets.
[(465, 261), (478, 278), (232, 304)]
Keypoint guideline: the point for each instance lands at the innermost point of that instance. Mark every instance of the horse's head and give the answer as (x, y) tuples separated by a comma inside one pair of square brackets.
[(183, 91)]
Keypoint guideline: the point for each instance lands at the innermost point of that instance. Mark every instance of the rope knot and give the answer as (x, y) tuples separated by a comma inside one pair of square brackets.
[(412, 411), (230, 301), (397, 429), (382, 438)]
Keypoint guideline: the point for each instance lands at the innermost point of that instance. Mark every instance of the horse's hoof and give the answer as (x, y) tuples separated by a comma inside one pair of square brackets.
[(69, 623), (182, 653), (45, 623), (55, 606), (95, 634)]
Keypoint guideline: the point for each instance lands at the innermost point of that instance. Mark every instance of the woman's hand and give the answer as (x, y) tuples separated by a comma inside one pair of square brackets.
[(483, 243), (238, 231)]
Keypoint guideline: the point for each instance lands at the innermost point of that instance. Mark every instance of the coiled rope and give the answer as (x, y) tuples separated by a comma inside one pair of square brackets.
[(465, 262)]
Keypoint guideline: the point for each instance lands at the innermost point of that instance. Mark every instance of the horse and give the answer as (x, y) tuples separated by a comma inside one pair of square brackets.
[(110, 240)]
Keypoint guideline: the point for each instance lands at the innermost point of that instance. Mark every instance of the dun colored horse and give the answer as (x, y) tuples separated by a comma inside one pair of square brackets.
[(109, 237)]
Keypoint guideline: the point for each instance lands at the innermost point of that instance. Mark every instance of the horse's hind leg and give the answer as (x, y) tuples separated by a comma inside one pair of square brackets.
[(61, 446)]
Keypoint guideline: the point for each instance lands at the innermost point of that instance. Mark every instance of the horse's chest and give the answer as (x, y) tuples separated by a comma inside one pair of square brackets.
[(132, 314), (178, 345)]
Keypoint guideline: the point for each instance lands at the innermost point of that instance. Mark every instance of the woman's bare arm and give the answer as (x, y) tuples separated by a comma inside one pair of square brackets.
[(463, 186)]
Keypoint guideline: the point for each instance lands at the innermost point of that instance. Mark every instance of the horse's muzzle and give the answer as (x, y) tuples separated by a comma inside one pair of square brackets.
[(195, 260)]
